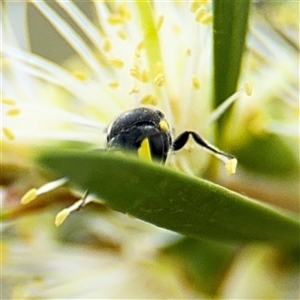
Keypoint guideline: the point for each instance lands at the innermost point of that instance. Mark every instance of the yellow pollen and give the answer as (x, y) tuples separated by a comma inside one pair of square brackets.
[(107, 46), (231, 166), (8, 133), (80, 75), (159, 22), (196, 4), (207, 19), (200, 13), (115, 19), (134, 90), (124, 12), (29, 196), (61, 216), (134, 72), (116, 62), (122, 34), (195, 83), (13, 112), (159, 79), (114, 84), (8, 101), (163, 125), (145, 76), (149, 99), (248, 88), (188, 52)]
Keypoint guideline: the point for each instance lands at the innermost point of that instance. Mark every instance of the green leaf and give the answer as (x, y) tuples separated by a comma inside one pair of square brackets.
[(230, 28), (171, 200)]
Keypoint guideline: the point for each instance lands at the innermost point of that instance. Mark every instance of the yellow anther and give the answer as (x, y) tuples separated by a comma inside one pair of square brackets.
[(8, 133), (80, 75), (116, 62), (231, 166), (115, 19), (134, 90), (13, 112), (8, 101), (144, 150), (159, 79), (61, 216), (149, 99), (114, 85), (107, 46), (195, 83), (145, 76), (124, 12), (196, 4), (248, 88), (135, 72), (188, 52), (29, 196), (163, 125), (139, 48), (200, 13), (207, 19), (122, 34), (159, 22)]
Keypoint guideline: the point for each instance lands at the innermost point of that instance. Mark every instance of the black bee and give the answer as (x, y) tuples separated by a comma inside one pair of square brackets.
[(147, 132)]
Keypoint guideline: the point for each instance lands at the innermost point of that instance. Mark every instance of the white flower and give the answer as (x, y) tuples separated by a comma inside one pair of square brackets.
[(137, 55), (132, 58)]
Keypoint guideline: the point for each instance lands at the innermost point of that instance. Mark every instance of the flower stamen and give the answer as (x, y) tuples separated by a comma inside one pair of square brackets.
[(49, 186), (62, 215), (247, 89), (159, 79)]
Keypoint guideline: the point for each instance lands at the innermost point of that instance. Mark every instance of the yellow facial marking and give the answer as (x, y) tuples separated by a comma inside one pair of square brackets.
[(163, 125), (144, 150)]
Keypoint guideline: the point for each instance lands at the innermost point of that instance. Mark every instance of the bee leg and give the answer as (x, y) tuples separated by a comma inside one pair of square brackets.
[(181, 140)]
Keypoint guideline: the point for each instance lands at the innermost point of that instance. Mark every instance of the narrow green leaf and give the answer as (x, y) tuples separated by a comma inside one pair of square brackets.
[(230, 28), (171, 200)]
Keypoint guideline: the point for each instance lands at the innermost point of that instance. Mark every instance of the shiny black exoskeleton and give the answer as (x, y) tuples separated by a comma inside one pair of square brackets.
[(131, 128)]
